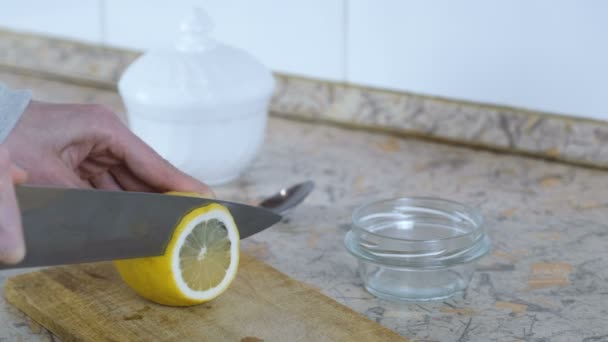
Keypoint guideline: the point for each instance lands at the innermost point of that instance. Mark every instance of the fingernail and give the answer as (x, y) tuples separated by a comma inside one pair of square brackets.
[(12, 256), (209, 194)]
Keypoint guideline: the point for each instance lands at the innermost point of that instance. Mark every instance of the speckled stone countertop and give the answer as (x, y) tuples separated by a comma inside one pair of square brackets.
[(547, 276)]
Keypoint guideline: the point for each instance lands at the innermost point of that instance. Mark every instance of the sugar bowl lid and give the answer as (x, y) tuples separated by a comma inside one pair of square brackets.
[(197, 71)]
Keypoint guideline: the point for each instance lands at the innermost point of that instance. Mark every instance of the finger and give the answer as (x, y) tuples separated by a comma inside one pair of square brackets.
[(69, 178), (104, 161), (105, 181), (150, 168), (56, 173), (12, 246), (18, 174), (92, 167), (129, 181)]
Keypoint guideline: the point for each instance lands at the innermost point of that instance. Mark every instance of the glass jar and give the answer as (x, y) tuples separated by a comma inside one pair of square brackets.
[(416, 249)]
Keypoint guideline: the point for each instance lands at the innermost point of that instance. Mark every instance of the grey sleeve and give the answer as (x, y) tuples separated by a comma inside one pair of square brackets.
[(12, 105)]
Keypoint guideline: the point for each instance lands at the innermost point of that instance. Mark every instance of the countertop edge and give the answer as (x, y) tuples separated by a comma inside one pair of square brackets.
[(534, 133)]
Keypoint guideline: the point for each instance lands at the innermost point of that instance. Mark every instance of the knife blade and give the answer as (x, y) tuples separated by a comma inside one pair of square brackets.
[(66, 226)]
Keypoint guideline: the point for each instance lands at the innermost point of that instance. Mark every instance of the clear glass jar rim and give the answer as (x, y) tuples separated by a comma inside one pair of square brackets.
[(472, 213), (480, 249)]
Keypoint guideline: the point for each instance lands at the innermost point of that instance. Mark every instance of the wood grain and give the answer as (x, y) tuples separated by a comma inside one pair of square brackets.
[(90, 302)]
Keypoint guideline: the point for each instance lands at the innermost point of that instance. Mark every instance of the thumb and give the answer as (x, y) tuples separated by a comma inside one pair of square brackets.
[(12, 246)]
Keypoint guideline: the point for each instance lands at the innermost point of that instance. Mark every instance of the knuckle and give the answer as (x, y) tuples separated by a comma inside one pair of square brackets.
[(96, 111), (104, 119), (103, 112)]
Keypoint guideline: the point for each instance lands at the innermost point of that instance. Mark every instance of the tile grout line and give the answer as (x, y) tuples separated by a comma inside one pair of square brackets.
[(345, 36), (102, 21)]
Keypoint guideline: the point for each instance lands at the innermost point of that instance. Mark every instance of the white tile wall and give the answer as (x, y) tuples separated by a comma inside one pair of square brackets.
[(75, 19), (544, 54), (298, 36)]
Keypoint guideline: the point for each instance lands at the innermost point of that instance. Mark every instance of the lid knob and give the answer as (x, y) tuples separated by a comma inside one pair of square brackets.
[(195, 32)]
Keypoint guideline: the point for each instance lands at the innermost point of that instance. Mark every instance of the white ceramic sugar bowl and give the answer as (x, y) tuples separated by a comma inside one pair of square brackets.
[(201, 104)]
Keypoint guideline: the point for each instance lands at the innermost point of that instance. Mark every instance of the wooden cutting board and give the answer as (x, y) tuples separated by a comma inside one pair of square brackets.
[(91, 303)]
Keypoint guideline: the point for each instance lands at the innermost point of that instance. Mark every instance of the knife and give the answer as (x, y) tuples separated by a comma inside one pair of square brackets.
[(67, 226)]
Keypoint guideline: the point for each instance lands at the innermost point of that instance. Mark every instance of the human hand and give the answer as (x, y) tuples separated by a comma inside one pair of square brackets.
[(12, 247), (86, 146)]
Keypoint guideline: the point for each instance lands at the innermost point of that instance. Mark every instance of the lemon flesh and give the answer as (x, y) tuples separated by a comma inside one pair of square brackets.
[(199, 263)]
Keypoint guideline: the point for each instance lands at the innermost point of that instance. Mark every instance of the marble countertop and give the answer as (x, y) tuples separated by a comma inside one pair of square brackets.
[(547, 276)]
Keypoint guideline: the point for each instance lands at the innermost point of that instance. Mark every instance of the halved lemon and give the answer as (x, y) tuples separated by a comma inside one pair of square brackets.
[(199, 264)]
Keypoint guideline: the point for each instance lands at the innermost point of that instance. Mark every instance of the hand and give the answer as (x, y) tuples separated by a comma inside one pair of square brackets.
[(12, 247), (86, 146)]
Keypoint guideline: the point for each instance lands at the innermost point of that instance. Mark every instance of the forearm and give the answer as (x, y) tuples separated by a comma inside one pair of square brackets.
[(12, 105)]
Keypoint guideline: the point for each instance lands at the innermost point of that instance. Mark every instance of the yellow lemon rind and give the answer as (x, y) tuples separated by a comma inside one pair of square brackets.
[(155, 278)]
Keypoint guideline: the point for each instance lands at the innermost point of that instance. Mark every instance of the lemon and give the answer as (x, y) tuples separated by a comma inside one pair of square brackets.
[(199, 264)]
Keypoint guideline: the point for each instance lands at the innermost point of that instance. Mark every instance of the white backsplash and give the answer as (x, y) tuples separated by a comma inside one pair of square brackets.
[(549, 55), (542, 54), (300, 37), (77, 19)]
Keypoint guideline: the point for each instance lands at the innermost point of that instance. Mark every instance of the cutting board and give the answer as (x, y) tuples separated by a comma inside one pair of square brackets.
[(90, 302)]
